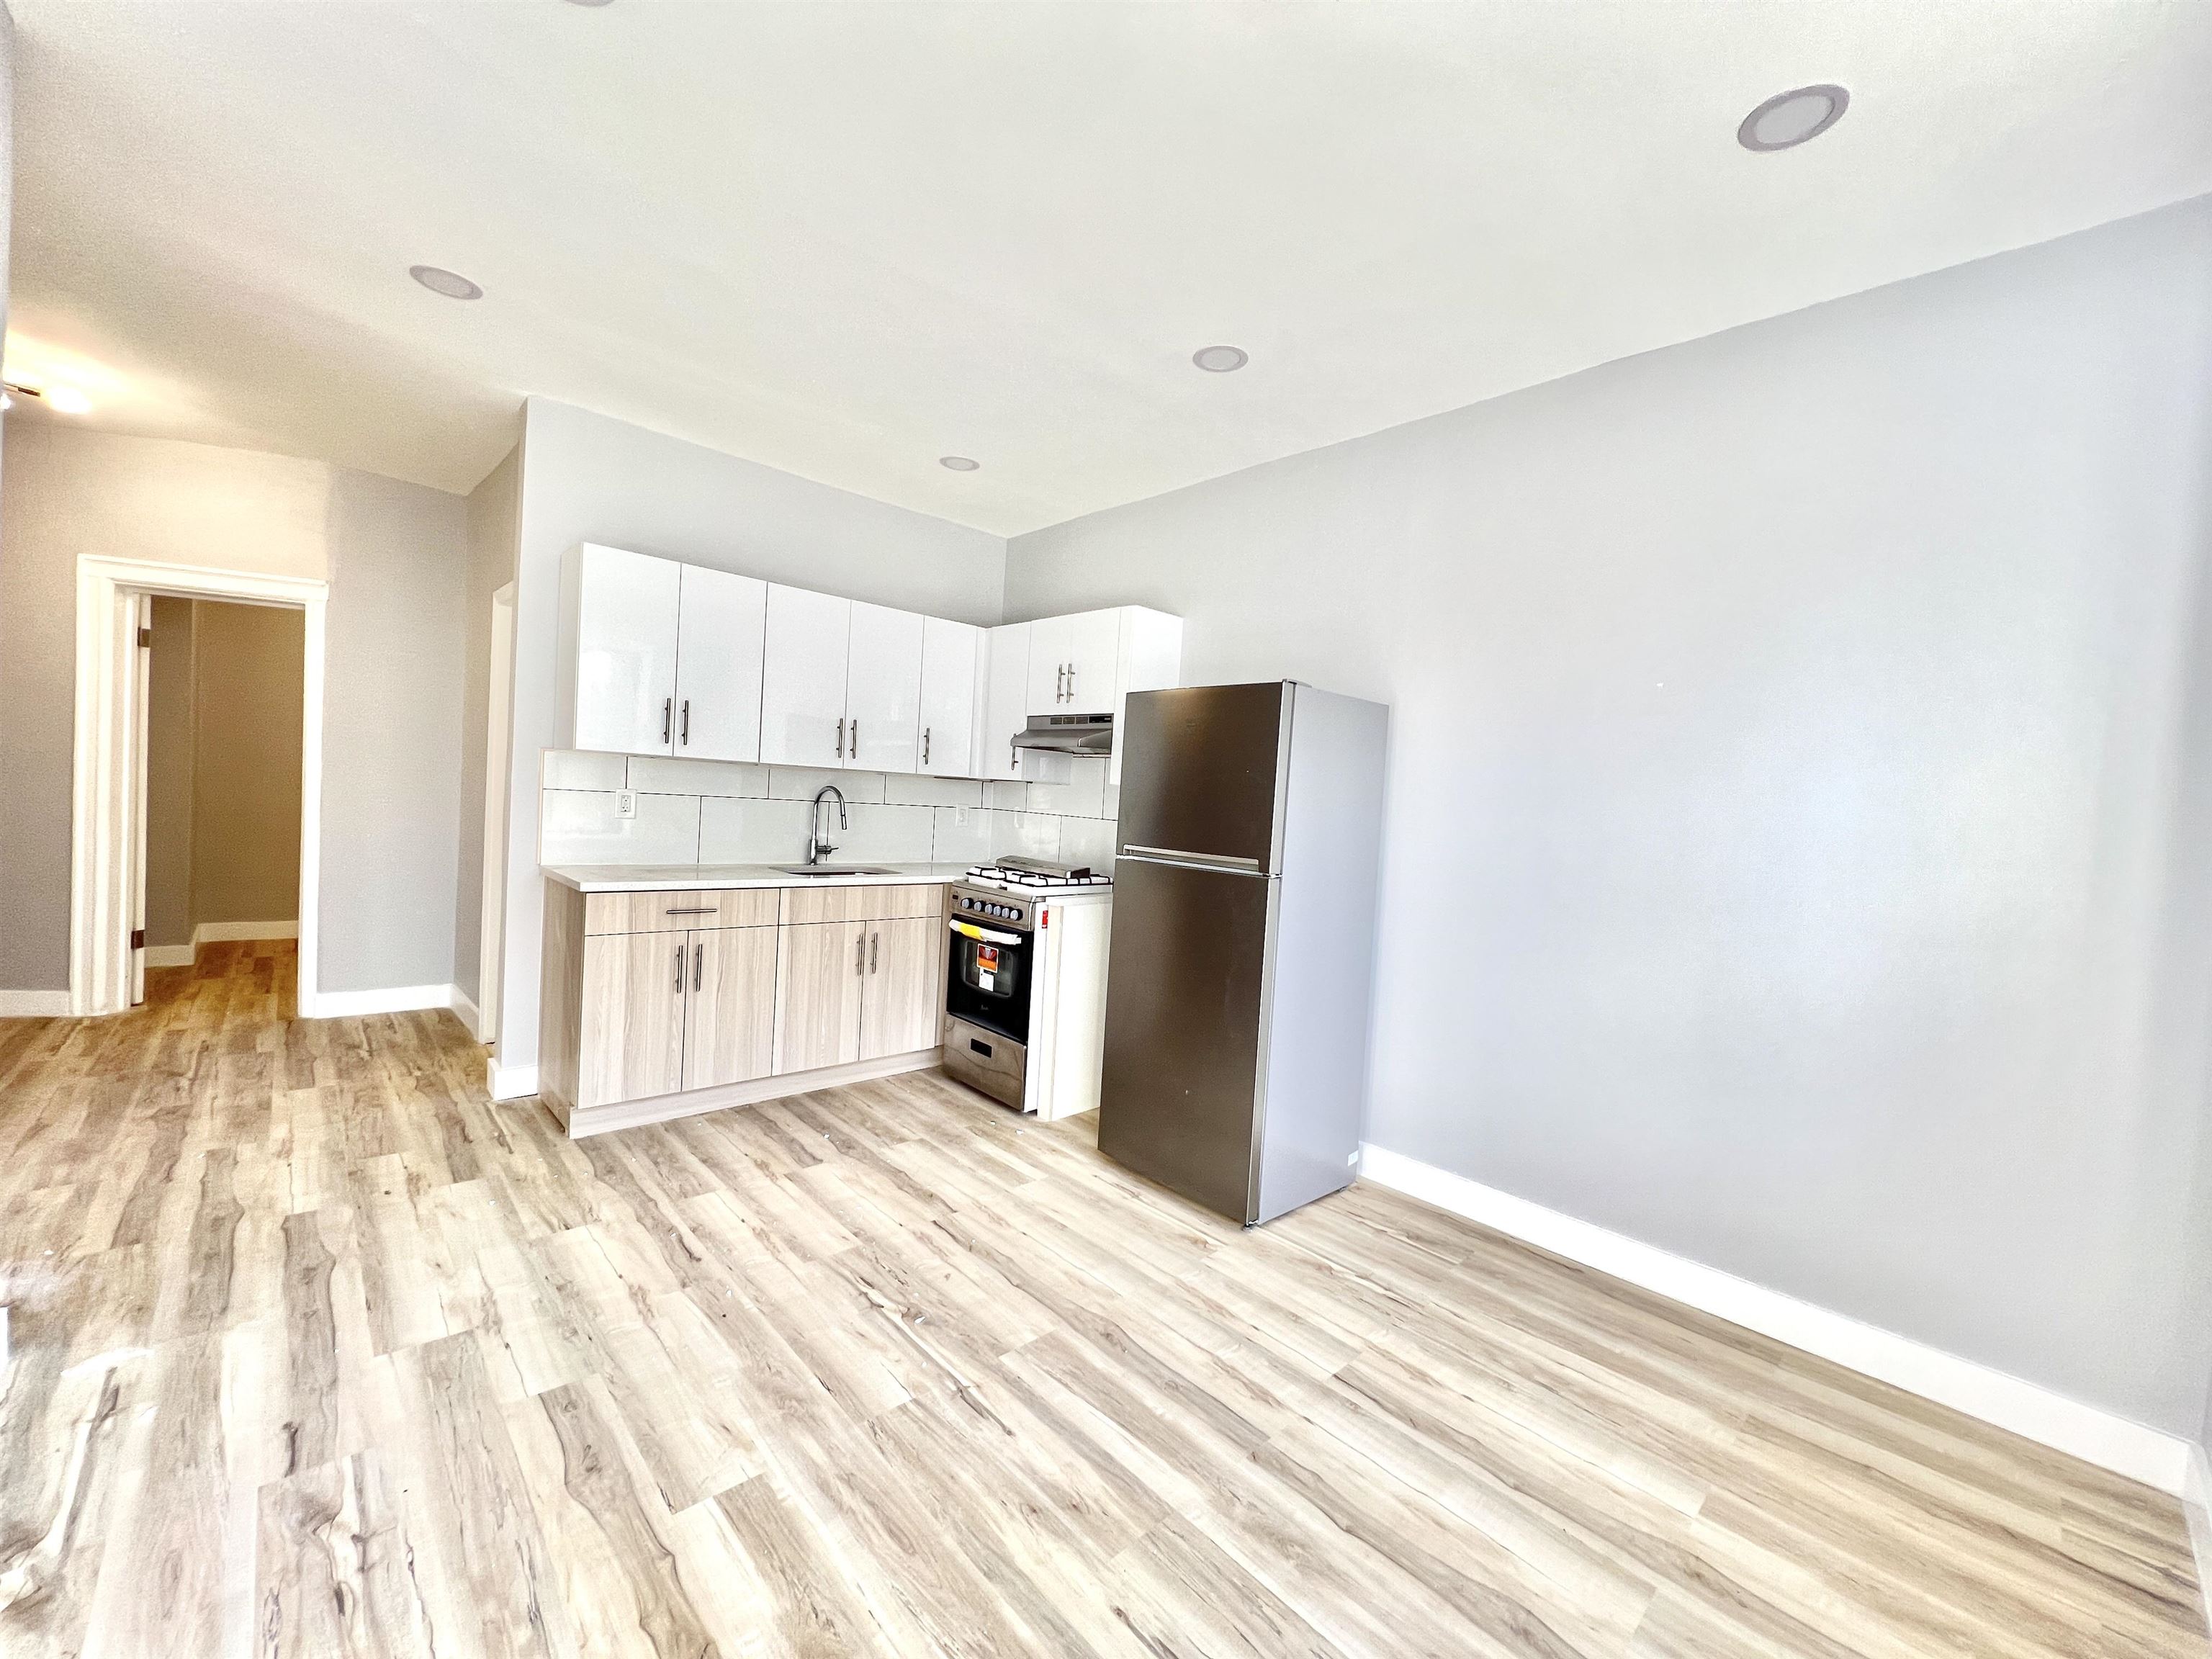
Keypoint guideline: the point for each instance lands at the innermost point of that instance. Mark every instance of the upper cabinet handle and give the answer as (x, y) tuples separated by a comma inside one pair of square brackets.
[(841, 736), (686, 732), (924, 745), (856, 736), (667, 709)]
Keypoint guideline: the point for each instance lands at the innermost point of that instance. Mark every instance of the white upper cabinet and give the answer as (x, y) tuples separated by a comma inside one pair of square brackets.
[(803, 679), (1005, 700), (616, 661), (661, 658), (952, 678), (883, 690), (1150, 659), (721, 621), (1072, 663)]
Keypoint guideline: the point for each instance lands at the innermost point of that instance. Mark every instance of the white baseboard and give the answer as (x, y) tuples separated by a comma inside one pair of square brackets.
[(386, 999), (511, 1082), (35, 1005), (171, 956), (223, 932), (465, 1006), (2196, 1508), (661, 1109), (2112, 1441)]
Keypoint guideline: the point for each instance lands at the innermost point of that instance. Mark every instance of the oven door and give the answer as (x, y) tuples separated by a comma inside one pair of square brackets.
[(987, 977)]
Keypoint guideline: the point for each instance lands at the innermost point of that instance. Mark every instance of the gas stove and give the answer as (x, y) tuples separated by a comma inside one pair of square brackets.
[(1016, 875)]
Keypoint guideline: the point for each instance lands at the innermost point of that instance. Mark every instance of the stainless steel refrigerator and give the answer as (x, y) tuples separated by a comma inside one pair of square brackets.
[(1242, 960)]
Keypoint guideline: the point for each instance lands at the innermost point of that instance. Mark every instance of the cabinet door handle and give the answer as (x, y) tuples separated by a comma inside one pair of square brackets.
[(856, 738), (698, 963), (692, 910), (679, 970), (684, 733), (1059, 684), (1013, 756), (924, 745), (667, 712), (859, 953), (874, 939), (1071, 682), (841, 736)]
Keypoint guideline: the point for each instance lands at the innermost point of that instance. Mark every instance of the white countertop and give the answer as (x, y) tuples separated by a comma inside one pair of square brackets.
[(695, 878)]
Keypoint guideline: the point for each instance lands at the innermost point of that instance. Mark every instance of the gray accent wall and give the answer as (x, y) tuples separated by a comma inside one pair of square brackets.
[(1797, 821), (245, 822), (589, 477), (393, 554)]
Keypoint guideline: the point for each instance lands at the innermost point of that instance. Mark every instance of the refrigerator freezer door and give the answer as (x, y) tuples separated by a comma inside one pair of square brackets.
[(1199, 767), (1179, 1097)]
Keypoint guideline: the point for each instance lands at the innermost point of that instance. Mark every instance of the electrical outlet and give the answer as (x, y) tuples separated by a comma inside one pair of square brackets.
[(962, 811), (626, 803)]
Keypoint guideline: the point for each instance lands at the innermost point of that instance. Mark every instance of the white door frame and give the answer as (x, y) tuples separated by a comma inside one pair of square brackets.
[(499, 735), (106, 776)]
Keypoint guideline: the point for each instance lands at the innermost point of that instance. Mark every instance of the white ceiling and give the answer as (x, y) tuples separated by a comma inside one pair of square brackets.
[(845, 239)]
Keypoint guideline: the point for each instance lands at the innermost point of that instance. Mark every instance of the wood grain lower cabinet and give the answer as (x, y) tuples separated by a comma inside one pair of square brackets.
[(820, 973), (632, 1005), (762, 984), (902, 993), (729, 1023)]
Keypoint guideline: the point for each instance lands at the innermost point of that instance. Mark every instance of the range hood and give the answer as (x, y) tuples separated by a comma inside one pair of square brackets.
[(1068, 734)]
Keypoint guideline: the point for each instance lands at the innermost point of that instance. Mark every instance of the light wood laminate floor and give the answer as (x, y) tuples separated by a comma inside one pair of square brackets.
[(321, 1352)]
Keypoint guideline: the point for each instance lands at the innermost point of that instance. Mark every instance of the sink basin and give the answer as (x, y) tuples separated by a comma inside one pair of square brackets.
[(834, 870)]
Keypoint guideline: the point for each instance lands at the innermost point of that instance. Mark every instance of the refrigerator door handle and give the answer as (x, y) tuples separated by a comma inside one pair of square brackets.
[(1193, 860)]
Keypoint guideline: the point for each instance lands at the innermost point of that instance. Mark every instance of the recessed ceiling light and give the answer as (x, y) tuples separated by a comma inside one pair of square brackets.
[(1220, 360), (588, 2), (68, 400), (1788, 119), (957, 464), (453, 285)]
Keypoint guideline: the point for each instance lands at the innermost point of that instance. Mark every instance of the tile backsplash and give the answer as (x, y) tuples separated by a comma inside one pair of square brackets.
[(692, 811)]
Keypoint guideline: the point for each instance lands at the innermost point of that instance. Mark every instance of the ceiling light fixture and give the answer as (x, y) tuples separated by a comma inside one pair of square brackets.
[(1220, 360), (451, 284), (958, 463), (588, 2), (68, 400), (1790, 119)]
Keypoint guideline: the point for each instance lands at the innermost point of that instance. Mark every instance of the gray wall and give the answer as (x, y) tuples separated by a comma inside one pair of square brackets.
[(493, 507), (393, 555), (391, 732), (587, 477), (245, 823), (1795, 817)]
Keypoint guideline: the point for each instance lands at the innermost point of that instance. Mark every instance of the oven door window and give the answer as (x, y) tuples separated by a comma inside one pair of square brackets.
[(987, 983)]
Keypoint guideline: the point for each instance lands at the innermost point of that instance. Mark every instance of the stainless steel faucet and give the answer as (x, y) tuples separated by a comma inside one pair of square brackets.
[(816, 849)]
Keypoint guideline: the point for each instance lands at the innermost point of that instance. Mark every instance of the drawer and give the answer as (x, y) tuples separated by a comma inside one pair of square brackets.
[(675, 913), (901, 903)]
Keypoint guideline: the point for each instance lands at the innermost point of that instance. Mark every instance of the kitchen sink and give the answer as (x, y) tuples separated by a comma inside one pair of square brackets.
[(834, 870)]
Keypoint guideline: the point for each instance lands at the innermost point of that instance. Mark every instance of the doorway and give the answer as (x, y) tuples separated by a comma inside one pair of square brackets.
[(109, 890), (499, 733), (222, 797)]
